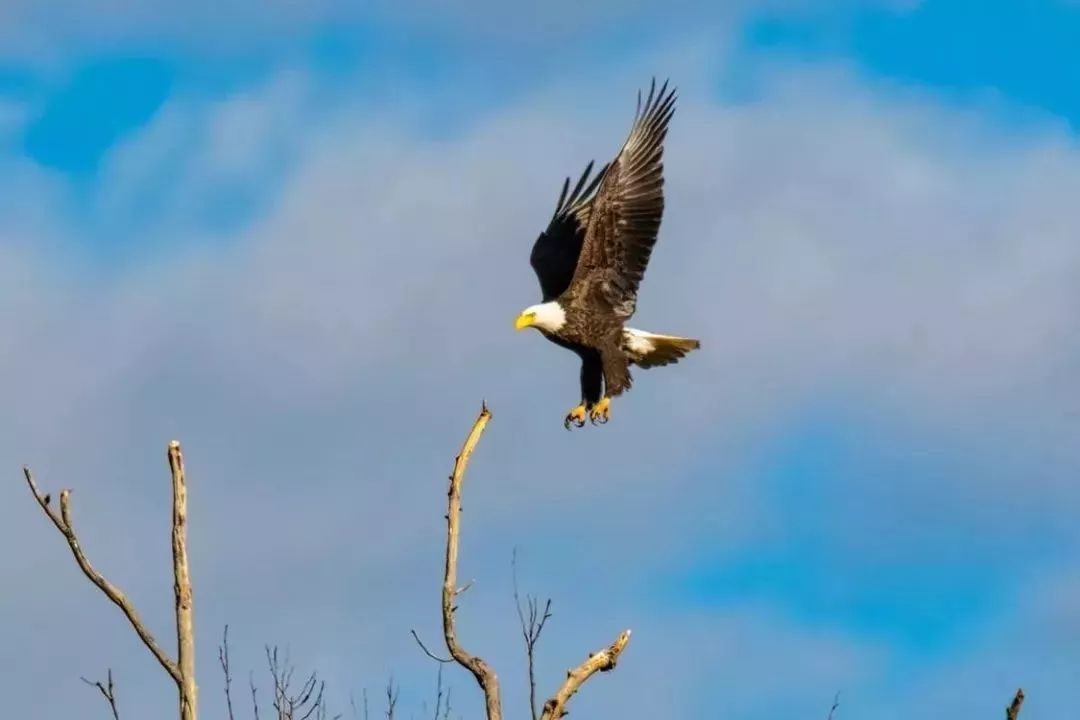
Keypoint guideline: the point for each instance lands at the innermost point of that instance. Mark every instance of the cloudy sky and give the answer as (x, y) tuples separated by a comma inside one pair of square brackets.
[(294, 236)]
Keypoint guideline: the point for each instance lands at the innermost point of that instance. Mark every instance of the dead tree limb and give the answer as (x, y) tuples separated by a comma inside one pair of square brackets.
[(107, 691), (555, 707), (182, 670), (185, 617), (602, 661), (1013, 711), (484, 674)]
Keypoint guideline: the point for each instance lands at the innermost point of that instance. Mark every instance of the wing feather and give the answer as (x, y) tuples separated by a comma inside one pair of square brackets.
[(625, 214), (555, 253)]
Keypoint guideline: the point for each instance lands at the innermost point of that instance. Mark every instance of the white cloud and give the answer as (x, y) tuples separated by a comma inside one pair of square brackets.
[(321, 367), (198, 157)]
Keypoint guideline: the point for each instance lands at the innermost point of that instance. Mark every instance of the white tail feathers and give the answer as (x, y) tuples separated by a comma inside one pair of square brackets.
[(648, 350)]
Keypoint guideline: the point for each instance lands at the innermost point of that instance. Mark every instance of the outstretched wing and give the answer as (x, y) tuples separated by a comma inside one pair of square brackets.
[(625, 214), (555, 253)]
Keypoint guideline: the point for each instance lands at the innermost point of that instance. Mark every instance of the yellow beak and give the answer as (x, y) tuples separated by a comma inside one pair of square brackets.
[(524, 320)]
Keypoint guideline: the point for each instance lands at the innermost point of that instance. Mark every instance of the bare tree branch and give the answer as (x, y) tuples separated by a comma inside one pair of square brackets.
[(530, 631), (835, 705), (1013, 711), (438, 693), (185, 622), (107, 691), (305, 703), (391, 698), (446, 705), (427, 652), (484, 674), (62, 521), (182, 670), (286, 704), (254, 695), (223, 658), (602, 661)]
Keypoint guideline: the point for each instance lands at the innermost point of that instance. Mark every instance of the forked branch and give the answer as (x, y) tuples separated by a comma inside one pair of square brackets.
[(531, 629), (555, 707), (303, 703), (182, 670), (62, 521), (107, 691)]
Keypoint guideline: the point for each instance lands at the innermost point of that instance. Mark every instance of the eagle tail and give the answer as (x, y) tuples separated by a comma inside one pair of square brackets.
[(647, 350)]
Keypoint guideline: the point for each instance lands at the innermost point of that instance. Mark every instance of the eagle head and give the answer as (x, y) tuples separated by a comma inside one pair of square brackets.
[(548, 316)]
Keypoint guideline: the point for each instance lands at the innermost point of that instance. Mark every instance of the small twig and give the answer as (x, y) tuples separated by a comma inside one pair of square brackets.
[(391, 698), (603, 661), (1013, 711), (446, 705), (223, 658), (305, 703), (427, 652), (107, 691), (530, 631), (835, 705), (254, 698), (438, 693), (484, 674)]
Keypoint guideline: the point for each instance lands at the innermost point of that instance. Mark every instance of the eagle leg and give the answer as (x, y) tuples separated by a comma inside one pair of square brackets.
[(575, 416), (601, 412)]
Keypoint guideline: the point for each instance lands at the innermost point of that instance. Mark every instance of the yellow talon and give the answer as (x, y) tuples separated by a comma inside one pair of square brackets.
[(601, 411), (575, 416)]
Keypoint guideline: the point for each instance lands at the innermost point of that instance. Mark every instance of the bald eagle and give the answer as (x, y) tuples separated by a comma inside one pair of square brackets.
[(591, 258)]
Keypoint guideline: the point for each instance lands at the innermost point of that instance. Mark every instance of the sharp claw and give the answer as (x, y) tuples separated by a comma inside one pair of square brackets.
[(601, 412), (576, 417)]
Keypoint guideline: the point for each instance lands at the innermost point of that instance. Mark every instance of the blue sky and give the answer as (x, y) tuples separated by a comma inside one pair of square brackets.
[(1019, 51), (249, 234)]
